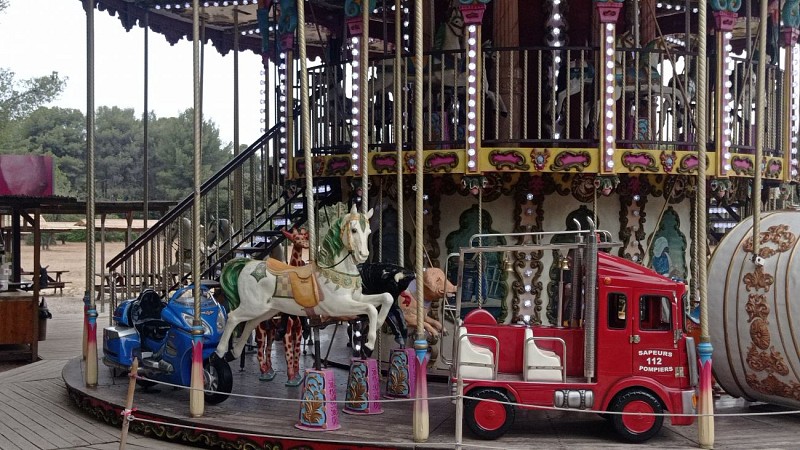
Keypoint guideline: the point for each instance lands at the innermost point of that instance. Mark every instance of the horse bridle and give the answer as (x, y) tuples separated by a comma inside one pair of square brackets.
[(349, 244)]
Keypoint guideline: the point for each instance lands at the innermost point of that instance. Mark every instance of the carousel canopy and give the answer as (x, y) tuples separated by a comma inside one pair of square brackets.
[(220, 20)]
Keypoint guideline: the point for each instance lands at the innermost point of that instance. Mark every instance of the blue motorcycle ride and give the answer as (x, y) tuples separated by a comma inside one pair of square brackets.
[(159, 334)]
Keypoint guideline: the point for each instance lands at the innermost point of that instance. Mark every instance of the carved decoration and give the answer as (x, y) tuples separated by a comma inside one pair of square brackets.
[(441, 162), (508, 160), (583, 187), (566, 161), (643, 161), (338, 165), (756, 307), (539, 157), (758, 280), (668, 160), (633, 192), (384, 163), (688, 164), (742, 165), (761, 356), (779, 235), (773, 168), (605, 185)]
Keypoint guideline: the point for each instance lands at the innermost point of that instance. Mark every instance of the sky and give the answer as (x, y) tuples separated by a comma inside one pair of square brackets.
[(41, 36)]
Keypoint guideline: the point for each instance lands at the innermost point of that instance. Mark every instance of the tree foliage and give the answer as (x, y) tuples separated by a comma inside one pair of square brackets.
[(119, 151)]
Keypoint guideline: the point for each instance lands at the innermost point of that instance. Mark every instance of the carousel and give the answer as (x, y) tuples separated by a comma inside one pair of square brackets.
[(439, 177)]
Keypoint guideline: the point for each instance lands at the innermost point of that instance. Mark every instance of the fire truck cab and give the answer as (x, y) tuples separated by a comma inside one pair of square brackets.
[(617, 346)]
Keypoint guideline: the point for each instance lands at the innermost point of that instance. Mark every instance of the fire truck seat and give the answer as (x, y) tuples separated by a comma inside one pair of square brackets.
[(538, 364), (475, 361)]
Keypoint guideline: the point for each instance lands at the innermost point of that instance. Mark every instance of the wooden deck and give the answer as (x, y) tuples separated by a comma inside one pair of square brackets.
[(39, 410)]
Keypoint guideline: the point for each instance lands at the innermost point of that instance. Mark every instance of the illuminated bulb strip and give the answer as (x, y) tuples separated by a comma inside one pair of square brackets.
[(607, 142), (795, 115), (726, 132), (282, 112), (472, 98), (355, 121)]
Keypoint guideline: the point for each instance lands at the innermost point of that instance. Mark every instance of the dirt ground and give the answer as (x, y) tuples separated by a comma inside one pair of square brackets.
[(70, 257)]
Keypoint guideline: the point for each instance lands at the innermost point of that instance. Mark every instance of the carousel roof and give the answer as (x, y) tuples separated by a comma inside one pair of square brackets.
[(173, 20)]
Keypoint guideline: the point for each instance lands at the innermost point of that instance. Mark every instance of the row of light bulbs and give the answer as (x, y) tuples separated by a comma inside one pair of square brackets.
[(206, 4), (282, 111), (355, 121), (795, 120), (472, 94), (727, 104)]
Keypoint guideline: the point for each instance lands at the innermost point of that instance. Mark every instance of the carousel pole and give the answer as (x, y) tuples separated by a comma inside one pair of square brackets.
[(421, 420), (706, 401), (790, 31), (305, 128), (196, 395), (89, 299), (145, 147), (760, 124), (398, 122), (364, 83)]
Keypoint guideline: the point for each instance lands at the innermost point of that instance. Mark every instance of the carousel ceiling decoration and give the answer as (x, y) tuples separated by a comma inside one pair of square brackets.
[(173, 20)]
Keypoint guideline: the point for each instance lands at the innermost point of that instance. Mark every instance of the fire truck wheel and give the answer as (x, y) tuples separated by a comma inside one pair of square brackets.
[(487, 419), (637, 423)]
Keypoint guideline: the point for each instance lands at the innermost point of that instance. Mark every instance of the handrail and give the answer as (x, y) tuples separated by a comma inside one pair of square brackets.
[(186, 203)]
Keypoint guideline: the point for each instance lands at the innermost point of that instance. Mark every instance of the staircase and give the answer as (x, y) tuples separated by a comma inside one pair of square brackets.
[(254, 207)]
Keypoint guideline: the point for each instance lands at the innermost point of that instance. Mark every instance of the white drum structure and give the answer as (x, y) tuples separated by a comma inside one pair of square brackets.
[(754, 310)]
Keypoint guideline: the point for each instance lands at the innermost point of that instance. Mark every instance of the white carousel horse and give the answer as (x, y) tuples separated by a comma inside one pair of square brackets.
[(183, 229), (258, 290), (219, 235)]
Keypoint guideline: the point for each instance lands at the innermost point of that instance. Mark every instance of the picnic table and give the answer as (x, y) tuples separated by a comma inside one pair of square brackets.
[(53, 280)]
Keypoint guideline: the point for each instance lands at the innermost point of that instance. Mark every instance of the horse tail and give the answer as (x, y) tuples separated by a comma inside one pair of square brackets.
[(229, 279)]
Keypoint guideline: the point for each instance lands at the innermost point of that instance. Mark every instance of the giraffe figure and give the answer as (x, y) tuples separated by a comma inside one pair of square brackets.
[(291, 326)]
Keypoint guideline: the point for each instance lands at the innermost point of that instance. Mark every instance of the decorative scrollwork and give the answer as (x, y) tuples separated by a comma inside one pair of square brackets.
[(758, 280), (779, 235), (757, 307), (770, 361)]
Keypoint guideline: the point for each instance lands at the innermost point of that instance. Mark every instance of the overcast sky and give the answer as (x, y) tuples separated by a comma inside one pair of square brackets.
[(41, 36)]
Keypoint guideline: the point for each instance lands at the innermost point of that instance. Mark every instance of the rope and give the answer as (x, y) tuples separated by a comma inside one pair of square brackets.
[(398, 125), (481, 300), (420, 156), (305, 126), (467, 397)]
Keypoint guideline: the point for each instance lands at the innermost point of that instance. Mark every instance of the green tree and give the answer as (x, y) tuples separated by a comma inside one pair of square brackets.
[(172, 149), (61, 133), (19, 98), (118, 157)]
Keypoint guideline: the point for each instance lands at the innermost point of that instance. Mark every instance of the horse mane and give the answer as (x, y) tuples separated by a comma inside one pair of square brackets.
[(229, 279), (332, 244)]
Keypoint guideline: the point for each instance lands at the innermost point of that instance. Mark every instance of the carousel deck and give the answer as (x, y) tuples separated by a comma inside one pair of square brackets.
[(248, 422)]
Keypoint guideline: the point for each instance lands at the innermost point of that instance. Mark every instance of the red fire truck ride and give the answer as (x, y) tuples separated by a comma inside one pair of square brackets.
[(618, 344)]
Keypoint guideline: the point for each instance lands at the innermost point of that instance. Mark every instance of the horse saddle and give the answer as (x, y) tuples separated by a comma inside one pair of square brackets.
[(297, 282)]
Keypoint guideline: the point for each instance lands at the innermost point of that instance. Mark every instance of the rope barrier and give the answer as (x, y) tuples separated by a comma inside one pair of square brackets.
[(514, 404)]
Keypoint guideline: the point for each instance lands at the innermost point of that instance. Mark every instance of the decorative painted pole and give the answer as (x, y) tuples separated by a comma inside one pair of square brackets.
[(608, 14), (472, 12), (421, 420), (725, 15), (89, 299), (358, 26), (287, 24), (196, 395), (706, 402), (790, 16)]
